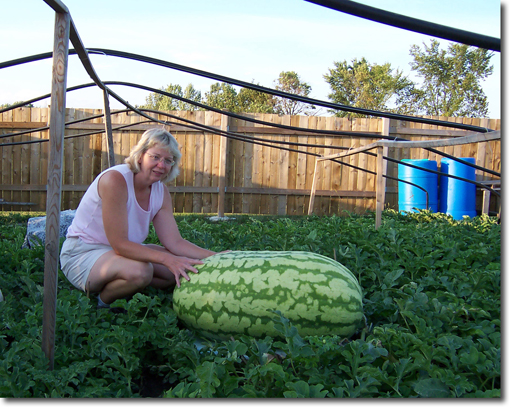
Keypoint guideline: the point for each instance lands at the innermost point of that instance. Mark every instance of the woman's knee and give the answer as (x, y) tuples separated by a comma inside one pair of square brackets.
[(141, 274)]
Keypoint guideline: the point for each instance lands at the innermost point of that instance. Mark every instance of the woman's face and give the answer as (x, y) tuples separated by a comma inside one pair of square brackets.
[(156, 163)]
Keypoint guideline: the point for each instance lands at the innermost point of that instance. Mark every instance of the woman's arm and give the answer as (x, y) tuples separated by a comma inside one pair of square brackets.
[(114, 194), (169, 235)]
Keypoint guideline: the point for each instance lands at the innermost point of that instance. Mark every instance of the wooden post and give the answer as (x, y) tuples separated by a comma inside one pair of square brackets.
[(312, 192), (108, 127), (380, 186), (486, 202), (223, 152), (53, 202)]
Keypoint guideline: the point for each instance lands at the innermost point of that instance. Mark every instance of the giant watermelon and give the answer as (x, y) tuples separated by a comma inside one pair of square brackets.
[(236, 292)]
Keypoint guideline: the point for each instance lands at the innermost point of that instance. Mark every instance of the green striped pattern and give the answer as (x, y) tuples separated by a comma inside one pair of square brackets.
[(234, 292)]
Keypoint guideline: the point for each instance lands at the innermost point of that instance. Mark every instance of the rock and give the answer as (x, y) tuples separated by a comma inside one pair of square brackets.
[(36, 228), (220, 218), (1, 296)]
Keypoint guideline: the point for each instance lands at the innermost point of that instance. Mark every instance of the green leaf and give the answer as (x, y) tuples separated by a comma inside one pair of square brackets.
[(472, 357), (183, 390), (433, 388), (301, 389), (488, 394), (272, 368), (391, 277), (208, 379)]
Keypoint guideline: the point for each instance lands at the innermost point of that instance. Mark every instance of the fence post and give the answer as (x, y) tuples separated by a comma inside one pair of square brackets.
[(223, 152), (53, 202)]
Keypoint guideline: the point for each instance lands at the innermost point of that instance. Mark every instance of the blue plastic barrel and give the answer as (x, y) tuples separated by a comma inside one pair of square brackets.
[(412, 197), (458, 198)]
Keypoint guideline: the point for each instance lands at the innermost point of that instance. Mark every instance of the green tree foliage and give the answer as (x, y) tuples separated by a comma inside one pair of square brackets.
[(7, 105), (290, 82), (225, 96), (451, 80), (370, 86), (156, 101), (222, 96), (255, 101)]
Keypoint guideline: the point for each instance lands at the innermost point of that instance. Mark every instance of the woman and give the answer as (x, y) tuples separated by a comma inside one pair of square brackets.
[(103, 251)]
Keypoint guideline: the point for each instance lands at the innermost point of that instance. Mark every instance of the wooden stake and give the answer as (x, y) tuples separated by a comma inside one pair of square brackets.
[(312, 192), (53, 202)]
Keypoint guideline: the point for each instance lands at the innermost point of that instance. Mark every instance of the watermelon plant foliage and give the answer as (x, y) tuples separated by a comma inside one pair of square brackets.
[(431, 297)]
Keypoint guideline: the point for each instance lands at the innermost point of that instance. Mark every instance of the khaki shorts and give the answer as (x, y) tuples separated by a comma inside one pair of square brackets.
[(77, 259)]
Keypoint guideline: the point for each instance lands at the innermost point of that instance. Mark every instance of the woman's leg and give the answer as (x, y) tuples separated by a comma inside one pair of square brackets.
[(163, 278), (116, 277)]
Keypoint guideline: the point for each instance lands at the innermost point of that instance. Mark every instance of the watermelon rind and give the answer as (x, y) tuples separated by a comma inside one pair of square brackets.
[(237, 292)]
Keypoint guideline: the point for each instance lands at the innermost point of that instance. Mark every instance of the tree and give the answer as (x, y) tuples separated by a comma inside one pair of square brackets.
[(370, 86), (224, 96), (253, 101), (451, 80), (290, 82), (159, 102), (7, 105)]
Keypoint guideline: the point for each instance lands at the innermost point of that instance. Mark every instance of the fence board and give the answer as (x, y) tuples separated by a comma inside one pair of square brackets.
[(35, 155), (25, 158), (190, 165), (333, 169), (372, 126), (257, 175), (179, 198), (199, 149), (292, 168), (259, 179), (248, 199), (300, 204), (6, 161), (283, 167), (69, 154), (344, 124), (236, 155), (16, 157), (363, 159), (211, 120), (266, 168)]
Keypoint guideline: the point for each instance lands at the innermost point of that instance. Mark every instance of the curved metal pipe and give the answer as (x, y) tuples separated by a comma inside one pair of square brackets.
[(217, 77), (411, 24)]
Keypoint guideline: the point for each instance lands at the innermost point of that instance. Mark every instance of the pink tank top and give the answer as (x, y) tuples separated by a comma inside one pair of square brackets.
[(88, 221)]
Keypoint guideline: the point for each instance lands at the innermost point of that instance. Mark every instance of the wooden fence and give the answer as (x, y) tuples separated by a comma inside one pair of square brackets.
[(253, 179)]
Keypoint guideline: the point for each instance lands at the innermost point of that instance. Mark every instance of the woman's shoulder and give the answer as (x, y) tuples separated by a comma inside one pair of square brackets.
[(113, 178), (121, 168)]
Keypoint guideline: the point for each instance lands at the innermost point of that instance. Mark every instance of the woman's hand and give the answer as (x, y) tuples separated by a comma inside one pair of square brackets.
[(180, 265), (226, 251)]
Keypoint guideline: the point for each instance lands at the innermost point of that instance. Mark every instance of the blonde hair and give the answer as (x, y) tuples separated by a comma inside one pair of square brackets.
[(151, 138)]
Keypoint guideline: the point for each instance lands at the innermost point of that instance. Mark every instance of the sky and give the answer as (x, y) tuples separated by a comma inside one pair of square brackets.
[(247, 40)]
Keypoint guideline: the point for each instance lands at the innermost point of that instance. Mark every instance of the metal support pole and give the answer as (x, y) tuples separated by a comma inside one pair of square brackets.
[(108, 127)]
